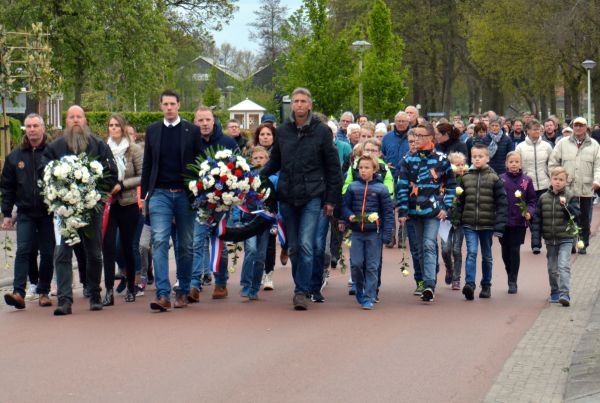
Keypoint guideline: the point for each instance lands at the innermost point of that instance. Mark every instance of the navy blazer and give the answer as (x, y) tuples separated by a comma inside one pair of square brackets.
[(191, 147)]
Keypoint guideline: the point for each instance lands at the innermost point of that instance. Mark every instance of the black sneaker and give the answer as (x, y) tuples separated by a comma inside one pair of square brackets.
[(512, 288), (486, 292), (427, 295), (468, 292), (582, 251), (96, 302), (86, 292), (63, 309), (317, 297), (333, 263), (122, 285), (300, 302)]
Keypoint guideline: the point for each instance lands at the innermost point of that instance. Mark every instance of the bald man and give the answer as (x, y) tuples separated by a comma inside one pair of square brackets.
[(76, 139)]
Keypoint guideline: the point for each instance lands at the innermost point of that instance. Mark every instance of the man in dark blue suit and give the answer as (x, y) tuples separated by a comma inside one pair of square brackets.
[(171, 145)]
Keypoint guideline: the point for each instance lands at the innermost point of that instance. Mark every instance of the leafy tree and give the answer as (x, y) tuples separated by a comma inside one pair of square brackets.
[(320, 61), (267, 28), (211, 94), (384, 74)]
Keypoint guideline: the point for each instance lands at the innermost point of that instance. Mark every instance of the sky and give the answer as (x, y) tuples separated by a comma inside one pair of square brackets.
[(237, 32)]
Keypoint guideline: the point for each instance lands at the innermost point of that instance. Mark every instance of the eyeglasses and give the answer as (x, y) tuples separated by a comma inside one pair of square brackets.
[(578, 125), (412, 141), (370, 150), (114, 125), (422, 136)]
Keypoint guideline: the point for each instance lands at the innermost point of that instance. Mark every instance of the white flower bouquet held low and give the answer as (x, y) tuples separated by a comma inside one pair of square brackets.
[(70, 189)]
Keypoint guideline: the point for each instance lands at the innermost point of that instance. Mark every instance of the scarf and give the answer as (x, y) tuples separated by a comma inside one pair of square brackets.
[(119, 151), (427, 146), (493, 146)]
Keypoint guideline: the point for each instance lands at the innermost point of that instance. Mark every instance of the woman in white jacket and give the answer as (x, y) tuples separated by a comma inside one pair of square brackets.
[(535, 155)]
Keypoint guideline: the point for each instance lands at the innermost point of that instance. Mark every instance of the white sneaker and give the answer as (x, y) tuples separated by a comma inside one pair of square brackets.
[(53, 289), (325, 279), (268, 281), (350, 282), (31, 292)]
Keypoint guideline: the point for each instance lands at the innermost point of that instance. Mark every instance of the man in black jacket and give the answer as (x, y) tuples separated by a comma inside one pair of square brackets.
[(19, 187), (171, 145), (76, 139), (309, 179), (212, 136)]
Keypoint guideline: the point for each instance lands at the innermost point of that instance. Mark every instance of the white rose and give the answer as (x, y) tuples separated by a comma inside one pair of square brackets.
[(215, 171), (96, 168), (78, 174)]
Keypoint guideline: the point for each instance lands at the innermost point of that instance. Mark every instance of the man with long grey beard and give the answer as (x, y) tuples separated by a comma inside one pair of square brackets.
[(76, 139)]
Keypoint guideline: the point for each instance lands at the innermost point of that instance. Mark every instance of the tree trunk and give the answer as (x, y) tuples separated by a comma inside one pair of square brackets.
[(552, 97), (543, 108)]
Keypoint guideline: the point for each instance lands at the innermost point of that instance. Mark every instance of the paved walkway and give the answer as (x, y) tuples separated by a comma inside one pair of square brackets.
[(559, 357)]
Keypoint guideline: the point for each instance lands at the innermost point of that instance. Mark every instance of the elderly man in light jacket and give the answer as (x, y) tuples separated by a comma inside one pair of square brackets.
[(535, 154), (580, 156)]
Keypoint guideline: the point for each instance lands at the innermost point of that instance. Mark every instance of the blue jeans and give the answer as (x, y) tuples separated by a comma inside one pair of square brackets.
[(34, 233), (165, 205), (201, 254), (559, 267), (255, 254), (426, 229), (301, 226), (414, 242), (487, 260), (316, 280), (365, 257)]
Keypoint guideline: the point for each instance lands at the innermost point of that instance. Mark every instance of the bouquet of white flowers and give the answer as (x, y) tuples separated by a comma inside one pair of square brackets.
[(224, 180), (70, 189)]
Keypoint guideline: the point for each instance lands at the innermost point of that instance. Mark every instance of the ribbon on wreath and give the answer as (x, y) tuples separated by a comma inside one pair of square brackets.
[(216, 244), (267, 215)]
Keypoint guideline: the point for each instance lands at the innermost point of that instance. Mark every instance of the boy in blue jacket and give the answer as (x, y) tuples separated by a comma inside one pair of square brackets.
[(368, 208)]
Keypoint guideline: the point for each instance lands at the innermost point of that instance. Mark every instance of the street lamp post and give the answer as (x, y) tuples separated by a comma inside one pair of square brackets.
[(360, 46), (229, 89), (589, 65)]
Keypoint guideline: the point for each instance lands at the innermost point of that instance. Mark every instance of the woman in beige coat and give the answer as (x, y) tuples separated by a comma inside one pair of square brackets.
[(124, 212)]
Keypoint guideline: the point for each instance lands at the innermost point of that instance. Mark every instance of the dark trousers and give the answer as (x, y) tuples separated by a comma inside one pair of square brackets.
[(271, 251), (79, 250), (34, 233), (585, 206), (34, 273), (125, 219), (511, 243), (91, 237), (335, 240)]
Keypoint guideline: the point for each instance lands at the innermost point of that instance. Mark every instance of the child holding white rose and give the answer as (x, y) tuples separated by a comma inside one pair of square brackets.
[(452, 247), (521, 197), (368, 208), (555, 220)]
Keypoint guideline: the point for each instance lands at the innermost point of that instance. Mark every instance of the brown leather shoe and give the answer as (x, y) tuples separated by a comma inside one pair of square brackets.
[(44, 300), (194, 296), (180, 302), (219, 293), (15, 300), (161, 305), (283, 256)]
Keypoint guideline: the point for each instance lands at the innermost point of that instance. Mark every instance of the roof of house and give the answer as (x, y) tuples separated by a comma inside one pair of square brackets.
[(247, 106), (220, 67)]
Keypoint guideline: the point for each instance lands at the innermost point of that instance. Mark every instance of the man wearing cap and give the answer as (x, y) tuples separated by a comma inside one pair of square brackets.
[(268, 118), (579, 154)]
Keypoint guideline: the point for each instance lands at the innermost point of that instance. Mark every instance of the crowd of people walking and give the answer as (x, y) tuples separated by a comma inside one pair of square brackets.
[(426, 186)]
